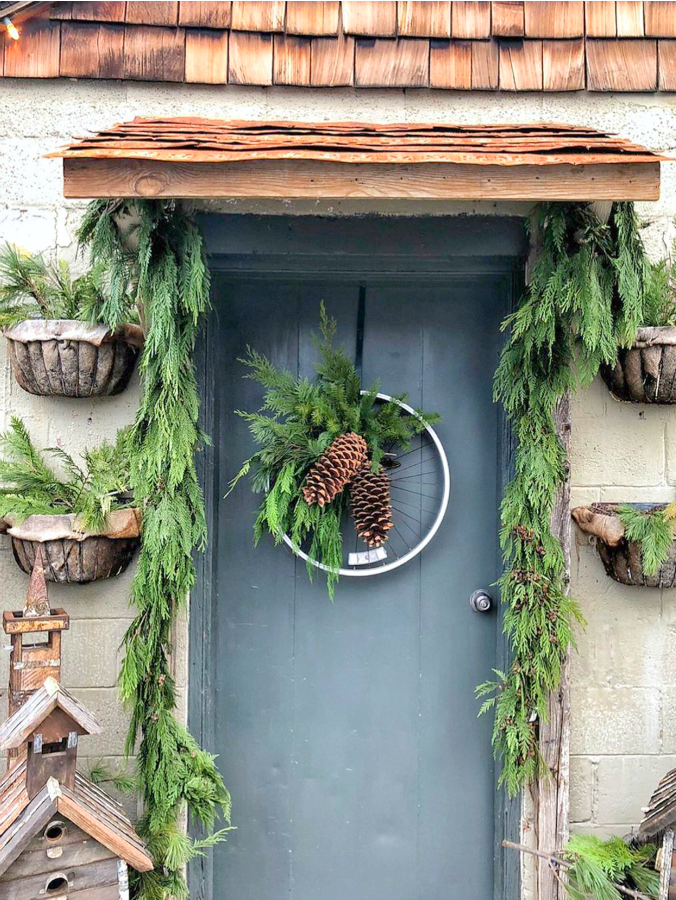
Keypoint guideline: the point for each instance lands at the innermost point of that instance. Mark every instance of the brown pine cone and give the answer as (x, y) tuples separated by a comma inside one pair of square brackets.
[(335, 469), (371, 505)]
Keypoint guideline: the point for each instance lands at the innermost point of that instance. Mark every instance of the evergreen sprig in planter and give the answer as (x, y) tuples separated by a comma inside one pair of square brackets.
[(646, 371), (635, 541), (52, 321)]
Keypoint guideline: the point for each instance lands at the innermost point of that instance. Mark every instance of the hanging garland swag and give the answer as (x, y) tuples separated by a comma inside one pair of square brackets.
[(585, 298)]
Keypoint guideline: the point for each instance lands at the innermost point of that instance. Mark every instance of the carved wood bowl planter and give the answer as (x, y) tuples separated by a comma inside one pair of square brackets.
[(622, 558), (68, 358), (71, 556), (646, 371)]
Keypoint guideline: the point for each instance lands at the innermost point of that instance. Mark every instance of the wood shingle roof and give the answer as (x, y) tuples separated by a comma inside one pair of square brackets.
[(511, 46)]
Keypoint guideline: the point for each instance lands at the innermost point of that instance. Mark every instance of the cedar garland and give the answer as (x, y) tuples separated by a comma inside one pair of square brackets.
[(585, 297), (159, 266)]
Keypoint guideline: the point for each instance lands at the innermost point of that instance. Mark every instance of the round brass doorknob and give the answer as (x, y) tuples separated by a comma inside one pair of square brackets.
[(481, 601)]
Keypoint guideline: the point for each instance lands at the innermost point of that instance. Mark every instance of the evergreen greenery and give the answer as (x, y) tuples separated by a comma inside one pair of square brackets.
[(598, 866), (29, 485), (32, 288), (660, 307), (586, 296), (653, 530), (159, 268), (297, 422)]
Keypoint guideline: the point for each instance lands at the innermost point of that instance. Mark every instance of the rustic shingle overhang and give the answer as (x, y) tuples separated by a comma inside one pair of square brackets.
[(207, 158)]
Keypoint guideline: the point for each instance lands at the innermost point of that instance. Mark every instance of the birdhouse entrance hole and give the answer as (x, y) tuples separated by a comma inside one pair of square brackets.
[(55, 831), (57, 883)]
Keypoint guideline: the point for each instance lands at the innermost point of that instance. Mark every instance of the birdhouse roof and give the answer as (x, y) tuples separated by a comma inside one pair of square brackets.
[(660, 813), (21, 724), (86, 806)]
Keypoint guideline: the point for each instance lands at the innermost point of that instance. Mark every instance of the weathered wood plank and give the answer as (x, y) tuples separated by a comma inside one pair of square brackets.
[(332, 61), (629, 15), (291, 60), (508, 19), (451, 65), (428, 19), (36, 55), (600, 18), (312, 19), (158, 12), (91, 875), (92, 50), (154, 53), (554, 20), (621, 65), (660, 18), (485, 66), (99, 12), (261, 16), (392, 63), (298, 178), (521, 65), (372, 19), (667, 57), (250, 59), (206, 56), (563, 65), (471, 21), (61, 11), (205, 15)]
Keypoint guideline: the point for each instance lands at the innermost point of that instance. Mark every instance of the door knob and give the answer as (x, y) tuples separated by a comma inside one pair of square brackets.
[(481, 601)]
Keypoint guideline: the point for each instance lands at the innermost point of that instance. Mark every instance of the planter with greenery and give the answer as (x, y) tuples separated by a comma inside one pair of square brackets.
[(635, 540), (57, 341), (645, 372), (82, 519)]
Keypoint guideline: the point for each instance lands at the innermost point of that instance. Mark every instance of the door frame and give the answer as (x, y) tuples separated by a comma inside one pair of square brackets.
[(429, 247)]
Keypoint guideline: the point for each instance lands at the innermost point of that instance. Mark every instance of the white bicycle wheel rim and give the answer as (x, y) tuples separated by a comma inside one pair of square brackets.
[(414, 551)]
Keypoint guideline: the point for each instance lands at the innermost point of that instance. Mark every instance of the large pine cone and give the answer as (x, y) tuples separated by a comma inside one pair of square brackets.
[(335, 469), (371, 505)]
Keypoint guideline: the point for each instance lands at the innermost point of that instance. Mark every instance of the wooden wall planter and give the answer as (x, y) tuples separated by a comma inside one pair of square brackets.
[(68, 358), (73, 557), (646, 372), (622, 558)]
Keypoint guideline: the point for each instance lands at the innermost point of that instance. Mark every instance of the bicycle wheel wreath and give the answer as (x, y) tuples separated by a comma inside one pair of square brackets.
[(342, 468)]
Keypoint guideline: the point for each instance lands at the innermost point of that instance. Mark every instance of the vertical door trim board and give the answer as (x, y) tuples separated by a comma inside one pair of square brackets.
[(431, 247)]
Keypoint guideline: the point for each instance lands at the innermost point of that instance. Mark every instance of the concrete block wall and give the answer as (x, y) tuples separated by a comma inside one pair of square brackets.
[(624, 686)]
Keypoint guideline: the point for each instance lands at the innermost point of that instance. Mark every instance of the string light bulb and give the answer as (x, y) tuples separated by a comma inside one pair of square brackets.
[(12, 30)]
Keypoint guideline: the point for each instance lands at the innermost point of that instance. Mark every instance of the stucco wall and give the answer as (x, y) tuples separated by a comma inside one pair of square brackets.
[(624, 686)]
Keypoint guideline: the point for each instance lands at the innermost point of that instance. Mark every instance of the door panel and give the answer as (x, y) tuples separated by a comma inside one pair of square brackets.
[(347, 733)]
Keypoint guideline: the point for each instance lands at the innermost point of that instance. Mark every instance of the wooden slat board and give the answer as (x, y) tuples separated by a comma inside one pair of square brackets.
[(382, 61), (621, 65), (153, 13), (563, 66), (205, 15), (508, 19), (451, 65), (92, 50), (521, 66), (554, 20), (660, 18), (300, 179), (97, 12), (332, 62), (471, 20), (312, 19), (154, 54), (291, 59), (600, 18), (485, 66), (250, 58), (629, 16), (371, 19), (37, 54), (206, 56), (259, 16), (667, 54), (423, 19)]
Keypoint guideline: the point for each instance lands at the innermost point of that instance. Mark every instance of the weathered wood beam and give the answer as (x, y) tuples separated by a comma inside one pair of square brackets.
[(290, 179)]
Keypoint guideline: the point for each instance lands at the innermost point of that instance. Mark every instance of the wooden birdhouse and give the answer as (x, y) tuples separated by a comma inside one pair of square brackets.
[(659, 825), (61, 836), (33, 659)]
